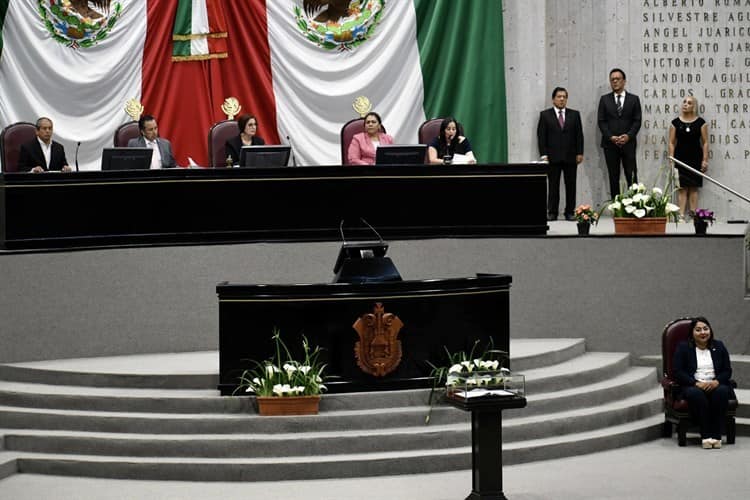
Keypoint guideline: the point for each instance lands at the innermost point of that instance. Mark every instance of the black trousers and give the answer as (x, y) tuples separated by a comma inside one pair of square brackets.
[(708, 409), (568, 171), (614, 157)]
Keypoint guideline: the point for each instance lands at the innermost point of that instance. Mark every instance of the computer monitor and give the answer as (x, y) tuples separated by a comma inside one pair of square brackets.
[(126, 158), (265, 156), (401, 154)]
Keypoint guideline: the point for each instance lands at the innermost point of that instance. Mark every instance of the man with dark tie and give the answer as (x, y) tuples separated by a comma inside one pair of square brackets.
[(619, 120), (42, 154), (560, 139), (149, 138)]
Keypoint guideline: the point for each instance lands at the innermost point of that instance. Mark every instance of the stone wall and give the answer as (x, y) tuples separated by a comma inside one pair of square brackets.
[(668, 49)]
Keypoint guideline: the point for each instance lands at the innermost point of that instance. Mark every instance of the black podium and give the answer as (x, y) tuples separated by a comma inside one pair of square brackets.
[(487, 443), (434, 315)]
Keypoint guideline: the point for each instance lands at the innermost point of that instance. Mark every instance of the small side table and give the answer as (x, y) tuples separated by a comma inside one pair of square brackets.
[(487, 442)]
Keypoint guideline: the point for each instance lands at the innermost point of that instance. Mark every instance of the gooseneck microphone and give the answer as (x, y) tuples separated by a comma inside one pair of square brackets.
[(294, 158), (78, 146)]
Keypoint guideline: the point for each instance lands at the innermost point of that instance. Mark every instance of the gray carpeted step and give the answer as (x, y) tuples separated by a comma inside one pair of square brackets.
[(591, 367), (148, 370), (740, 366), (341, 441), (197, 370), (344, 465), (8, 464), (534, 353), (100, 426)]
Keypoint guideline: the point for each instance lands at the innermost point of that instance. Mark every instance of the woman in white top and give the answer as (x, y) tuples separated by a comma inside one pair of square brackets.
[(702, 368)]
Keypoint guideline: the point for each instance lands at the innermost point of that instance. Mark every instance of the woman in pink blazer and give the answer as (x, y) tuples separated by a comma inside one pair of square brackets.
[(364, 145)]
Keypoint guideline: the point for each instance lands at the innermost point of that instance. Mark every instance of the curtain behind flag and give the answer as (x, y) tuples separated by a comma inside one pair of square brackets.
[(186, 97)]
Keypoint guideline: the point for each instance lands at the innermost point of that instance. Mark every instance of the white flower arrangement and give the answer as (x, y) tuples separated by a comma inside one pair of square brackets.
[(638, 201), (285, 377)]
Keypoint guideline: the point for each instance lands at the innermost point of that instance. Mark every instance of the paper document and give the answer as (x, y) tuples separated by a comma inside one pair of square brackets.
[(459, 159), (477, 393)]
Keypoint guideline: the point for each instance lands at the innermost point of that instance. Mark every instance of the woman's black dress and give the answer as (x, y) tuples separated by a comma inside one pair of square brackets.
[(688, 150)]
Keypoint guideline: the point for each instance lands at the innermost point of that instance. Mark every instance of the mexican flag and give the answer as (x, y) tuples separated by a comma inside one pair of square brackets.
[(297, 65)]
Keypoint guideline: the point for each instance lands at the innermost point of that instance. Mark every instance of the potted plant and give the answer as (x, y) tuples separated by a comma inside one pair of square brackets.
[(701, 219), (640, 210), (283, 385), (585, 217), (472, 368)]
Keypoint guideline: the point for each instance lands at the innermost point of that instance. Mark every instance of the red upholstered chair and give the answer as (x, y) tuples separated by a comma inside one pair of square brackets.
[(675, 408), (429, 130), (11, 139), (218, 135), (354, 126), (348, 131), (125, 132)]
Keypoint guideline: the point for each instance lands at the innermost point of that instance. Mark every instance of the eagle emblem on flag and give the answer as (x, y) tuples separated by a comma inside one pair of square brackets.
[(79, 23), (338, 24)]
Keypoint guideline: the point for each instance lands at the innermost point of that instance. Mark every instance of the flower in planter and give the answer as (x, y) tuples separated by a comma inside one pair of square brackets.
[(703, 215), (282, 375), (638, 201), (584, 214), (462, 369)]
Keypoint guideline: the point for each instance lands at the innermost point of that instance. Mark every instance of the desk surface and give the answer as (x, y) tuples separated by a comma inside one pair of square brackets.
[(176, 206)]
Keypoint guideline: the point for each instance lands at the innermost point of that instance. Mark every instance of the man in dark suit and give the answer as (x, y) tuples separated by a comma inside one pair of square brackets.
[(162, 156), (619, 120), (560, 139), (42, 154)]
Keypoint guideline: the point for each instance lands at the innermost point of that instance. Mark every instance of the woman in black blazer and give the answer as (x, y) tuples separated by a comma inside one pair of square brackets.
[(702, 368), (248, 126)]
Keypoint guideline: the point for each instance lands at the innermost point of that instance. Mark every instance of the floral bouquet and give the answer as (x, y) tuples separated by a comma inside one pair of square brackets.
[(639, 201), (468, 369), (284, 376), (584, 214), (704, 215)]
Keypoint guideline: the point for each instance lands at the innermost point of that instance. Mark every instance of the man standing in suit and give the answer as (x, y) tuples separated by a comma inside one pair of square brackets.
[(43, 154), (560, 139), (619, 120), (162, 157)]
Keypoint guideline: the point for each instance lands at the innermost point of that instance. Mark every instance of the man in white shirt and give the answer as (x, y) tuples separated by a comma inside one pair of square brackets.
[(162, 156), (619, 118), (42, 154)]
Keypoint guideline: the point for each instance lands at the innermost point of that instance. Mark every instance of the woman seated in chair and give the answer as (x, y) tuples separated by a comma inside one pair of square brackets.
[(248, 126), (365, 144), (702, 368), (448, 144)]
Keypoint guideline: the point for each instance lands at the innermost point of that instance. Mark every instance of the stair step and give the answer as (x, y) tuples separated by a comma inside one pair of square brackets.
[(328, 466), (311, 443)]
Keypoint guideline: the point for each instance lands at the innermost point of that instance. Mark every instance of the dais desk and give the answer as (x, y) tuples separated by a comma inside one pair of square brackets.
[(178, 206)]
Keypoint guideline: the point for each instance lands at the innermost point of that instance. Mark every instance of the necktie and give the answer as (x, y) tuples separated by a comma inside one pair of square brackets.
[(561, 119), (619, 105)]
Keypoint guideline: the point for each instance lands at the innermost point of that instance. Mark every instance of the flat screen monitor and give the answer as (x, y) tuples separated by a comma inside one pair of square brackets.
[(401, 154), (126, 158), (265, 156)]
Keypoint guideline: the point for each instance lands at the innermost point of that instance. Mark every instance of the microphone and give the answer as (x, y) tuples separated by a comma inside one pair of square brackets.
[(341, 231), (373, 229), (78, 146), (294, 159)]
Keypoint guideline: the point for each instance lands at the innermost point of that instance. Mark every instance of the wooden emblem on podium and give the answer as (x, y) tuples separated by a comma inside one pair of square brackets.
[(378, 350)]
